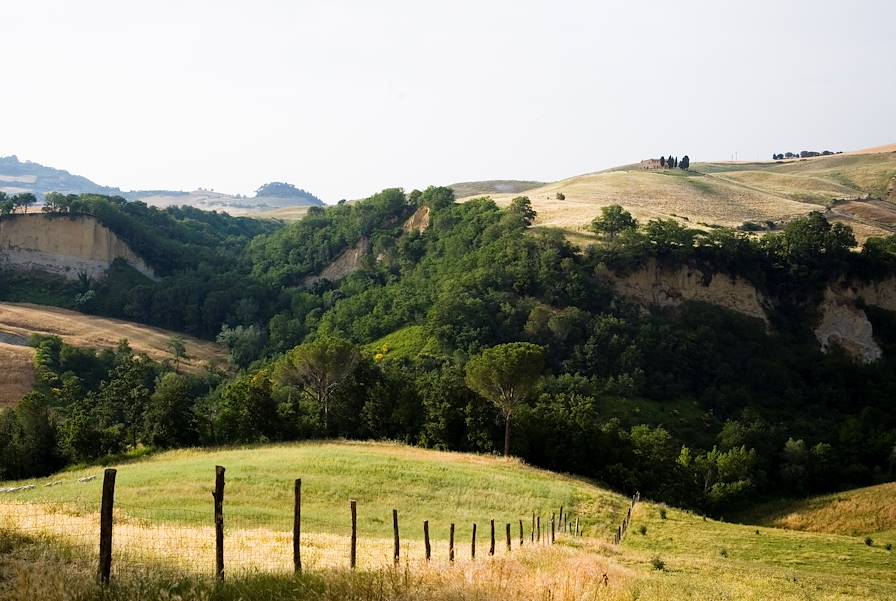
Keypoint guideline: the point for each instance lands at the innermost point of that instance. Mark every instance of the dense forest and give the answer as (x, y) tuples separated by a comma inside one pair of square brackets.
[(696, 406)]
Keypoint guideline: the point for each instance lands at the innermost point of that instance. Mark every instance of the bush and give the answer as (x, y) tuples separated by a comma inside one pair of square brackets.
[(888, 546), (662, 513), (643, 530), (869, 541), (561, 196), (657, 563)]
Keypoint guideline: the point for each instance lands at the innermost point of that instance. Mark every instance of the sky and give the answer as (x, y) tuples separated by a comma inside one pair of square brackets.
[(345, 98)]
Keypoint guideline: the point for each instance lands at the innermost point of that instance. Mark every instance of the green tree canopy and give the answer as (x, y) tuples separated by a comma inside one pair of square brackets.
[(506, 375), (318, 368), (613, 221)]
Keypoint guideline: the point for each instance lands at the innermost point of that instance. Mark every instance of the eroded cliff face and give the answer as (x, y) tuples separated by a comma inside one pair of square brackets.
[(346, 263), (64, 245), (418, 222), (843, 322), (658, 286)]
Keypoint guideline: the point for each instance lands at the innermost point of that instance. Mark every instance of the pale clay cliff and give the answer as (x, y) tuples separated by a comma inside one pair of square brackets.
[(657, 286), (843, 322), (64, 245)]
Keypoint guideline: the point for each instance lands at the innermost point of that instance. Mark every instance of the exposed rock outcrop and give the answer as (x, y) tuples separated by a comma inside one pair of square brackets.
[(846, 325), (343, 265), (843, 321), (659, 286), (65, 245), (418, 222)]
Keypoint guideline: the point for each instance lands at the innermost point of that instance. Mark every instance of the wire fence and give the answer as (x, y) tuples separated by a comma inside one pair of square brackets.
[(216, 541)]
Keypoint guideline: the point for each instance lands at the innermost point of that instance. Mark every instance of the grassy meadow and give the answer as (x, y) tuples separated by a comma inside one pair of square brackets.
[(421, 484), (164, 536)]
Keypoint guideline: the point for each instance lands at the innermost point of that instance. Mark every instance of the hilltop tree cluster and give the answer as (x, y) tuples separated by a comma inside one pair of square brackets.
[(803, 154), (672, 162), (477, 334)]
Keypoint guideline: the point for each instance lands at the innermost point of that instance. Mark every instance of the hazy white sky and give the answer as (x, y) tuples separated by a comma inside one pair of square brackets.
[(345, 98)]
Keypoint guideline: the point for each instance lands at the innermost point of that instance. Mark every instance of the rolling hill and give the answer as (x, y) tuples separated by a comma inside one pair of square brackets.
[(19, 321), (163, 518), (855, 188), (18, 176), (869, 511), (25, 176)]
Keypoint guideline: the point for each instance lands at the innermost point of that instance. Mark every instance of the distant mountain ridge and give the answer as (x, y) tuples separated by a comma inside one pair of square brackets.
[(25, 176), (18, 176)]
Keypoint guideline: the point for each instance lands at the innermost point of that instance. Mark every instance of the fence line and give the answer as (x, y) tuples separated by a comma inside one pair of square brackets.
[(170, 539), (623, 527)]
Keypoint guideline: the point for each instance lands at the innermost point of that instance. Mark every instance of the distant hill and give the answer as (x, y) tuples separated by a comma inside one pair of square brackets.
[(18, 176), (24, 176), (498, 186), (19, 321), (287, 193), (857, 188)]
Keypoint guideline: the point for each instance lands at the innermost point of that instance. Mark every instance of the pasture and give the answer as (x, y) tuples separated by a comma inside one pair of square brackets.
[(164, 535)]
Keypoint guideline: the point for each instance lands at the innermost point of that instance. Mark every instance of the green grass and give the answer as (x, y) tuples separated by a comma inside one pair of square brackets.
[(675, 557), (761, 563), (405, 343), (173, 487)]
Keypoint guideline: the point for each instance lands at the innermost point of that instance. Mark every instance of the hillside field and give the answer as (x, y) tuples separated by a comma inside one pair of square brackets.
[(19, 321), (729, 194), (862, 512), (163, 517)]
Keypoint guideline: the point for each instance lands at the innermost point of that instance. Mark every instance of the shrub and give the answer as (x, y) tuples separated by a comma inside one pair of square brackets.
[(888, 546), (657, 563), (561, 196), (723, 552), (643, 530), (662, 513), (869, 541)]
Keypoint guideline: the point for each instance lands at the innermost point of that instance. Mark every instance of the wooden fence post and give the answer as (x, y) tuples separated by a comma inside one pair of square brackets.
[(354, 550), (473, 544), (426, 539), (451, 545), (538, 528), (508, 538), (106, 505), (532, 534), (560, 519), (395, 534), (521, 533), (491, 549), (552, 528), (577, 526), (219, 522), (297, 529)]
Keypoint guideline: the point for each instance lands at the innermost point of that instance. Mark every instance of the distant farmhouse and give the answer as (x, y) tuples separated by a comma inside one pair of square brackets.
[(669, 162)]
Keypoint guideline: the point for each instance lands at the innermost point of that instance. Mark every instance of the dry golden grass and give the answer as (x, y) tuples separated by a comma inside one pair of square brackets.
[(16, 373), (720, 193), (78, 329), (191, 549), (874, 150), (860, 512), (283, 214)]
